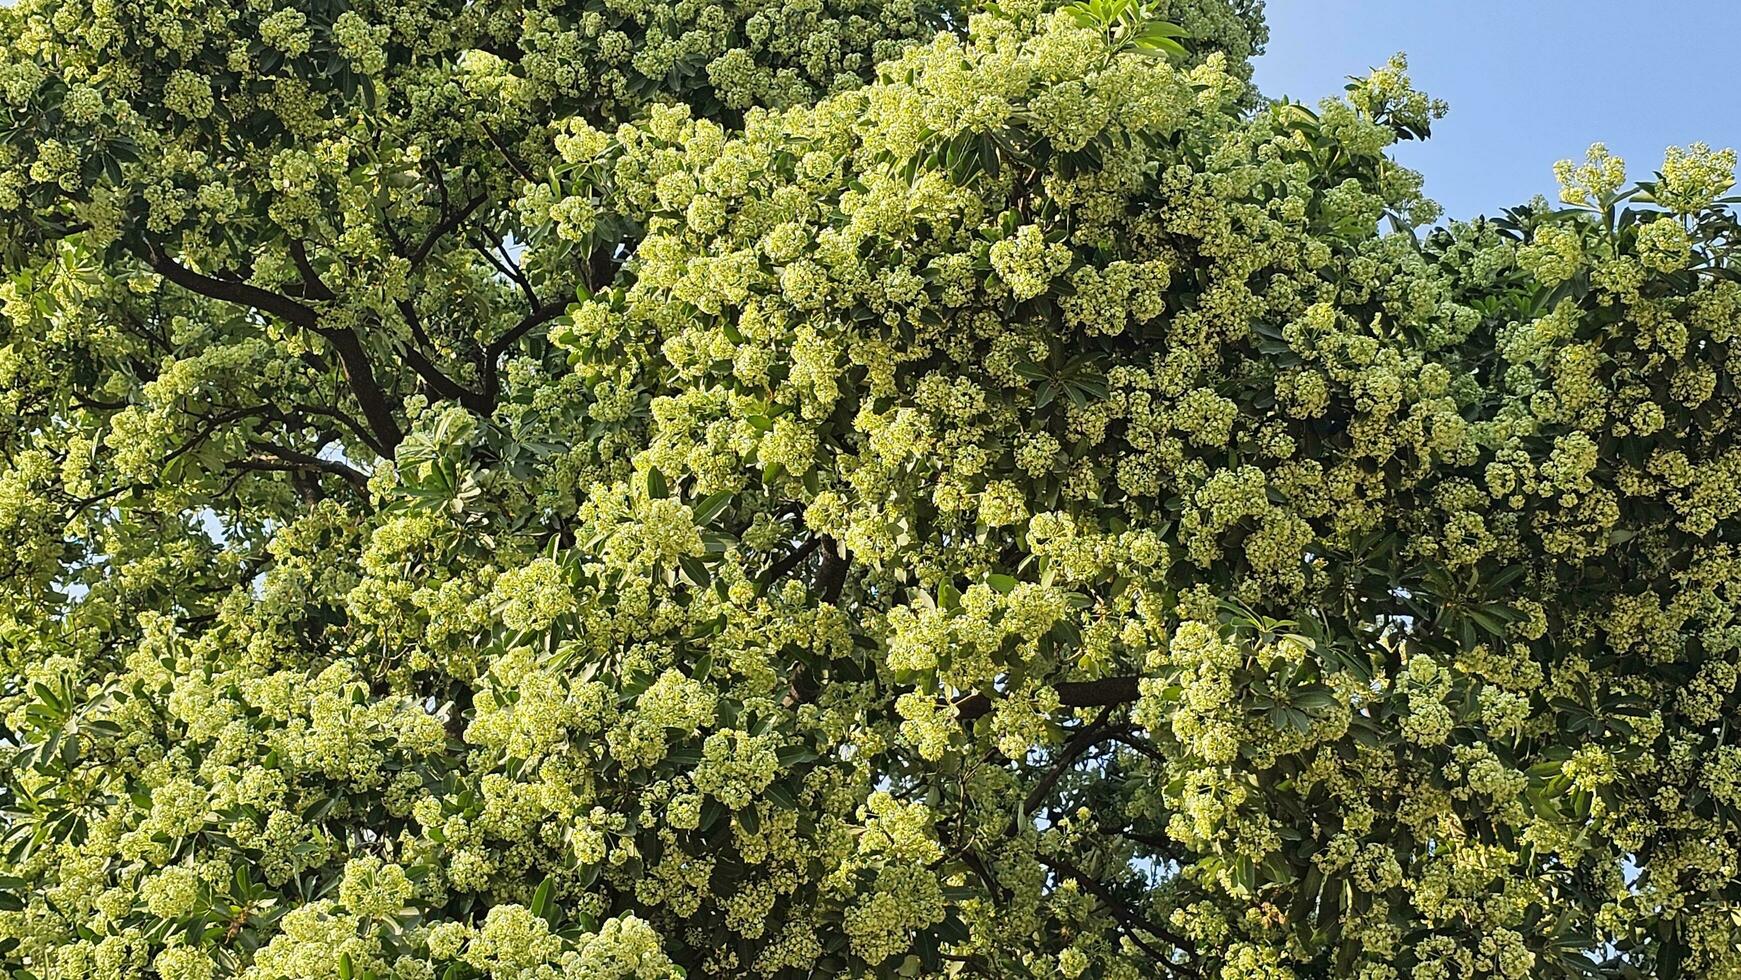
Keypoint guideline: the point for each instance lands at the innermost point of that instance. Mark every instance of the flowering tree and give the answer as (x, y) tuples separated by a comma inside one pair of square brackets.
[(840, 488)]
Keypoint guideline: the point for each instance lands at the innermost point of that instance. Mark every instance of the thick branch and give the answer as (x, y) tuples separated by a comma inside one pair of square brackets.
[(278, 458), (312, 286), (438, 380), (541, 315), (831, 571), (1126, 916), (1127, 739), (408, 310), (357, 428), (443, 385), (352, 358), (228, 290), (488, 383), (599, 267), (443, 227), (1073, 694), (1065, 758), (95, 404), (370, 397), (784, 566)]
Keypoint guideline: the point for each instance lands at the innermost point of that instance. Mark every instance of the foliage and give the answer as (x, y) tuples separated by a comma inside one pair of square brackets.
[(841, 489)]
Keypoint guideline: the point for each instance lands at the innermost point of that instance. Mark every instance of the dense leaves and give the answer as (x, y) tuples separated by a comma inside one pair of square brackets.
[(638, 490)]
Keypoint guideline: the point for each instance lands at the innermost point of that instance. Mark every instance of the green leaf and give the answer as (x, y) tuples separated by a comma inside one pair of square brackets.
[(783, 796), (686, 756), (695, 571), (710, 507), (541, 898)]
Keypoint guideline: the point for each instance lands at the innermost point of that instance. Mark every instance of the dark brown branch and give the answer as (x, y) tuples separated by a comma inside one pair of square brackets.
[(95, 404), (210, 425), (509, 271), (440, 383), (446, 225), (275, 414), (1066, 757), (508, 155), (312, 286), (83, 502), (278, 458), (999, 894), (354, 361), (368, 392), (393, 238), (1126, 916), (1164, 846), (230, 486), (600, 269), (1072, 694), (831, 570), (408, 310), (488, 384), (314, 362), (152, 338), (1126, 738), (228, 290), (343, 418), (541, 315), (784, 566)]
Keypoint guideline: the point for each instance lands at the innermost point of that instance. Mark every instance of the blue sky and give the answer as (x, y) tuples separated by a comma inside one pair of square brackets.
[(1529, 81)]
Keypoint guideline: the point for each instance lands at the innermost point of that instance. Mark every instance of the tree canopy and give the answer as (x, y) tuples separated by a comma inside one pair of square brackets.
[(841, 488)]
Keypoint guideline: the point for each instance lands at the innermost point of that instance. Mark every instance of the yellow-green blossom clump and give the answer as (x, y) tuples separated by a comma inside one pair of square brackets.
[(854, 488)]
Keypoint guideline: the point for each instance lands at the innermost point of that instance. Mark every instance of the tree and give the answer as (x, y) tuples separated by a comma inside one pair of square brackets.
[(841, 489)]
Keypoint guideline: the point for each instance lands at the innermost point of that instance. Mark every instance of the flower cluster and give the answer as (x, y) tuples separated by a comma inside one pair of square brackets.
[(1002, 500)]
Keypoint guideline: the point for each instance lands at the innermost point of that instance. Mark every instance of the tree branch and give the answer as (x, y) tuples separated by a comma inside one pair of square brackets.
[(831, 570), (444, 226), (1065, 758), (370, 397), (443, 385), (277, 458), (490, 372), (1071, 694), (408, 310), (541, 315), (353, 359), (94, 404), (83, 502), (343, 418), (784, 566), (312, 285), (509, 272), (228, 290), (1127, 739), (599, 273), (1126, 916), (508, 156)]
